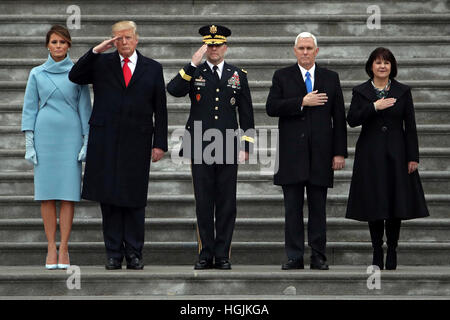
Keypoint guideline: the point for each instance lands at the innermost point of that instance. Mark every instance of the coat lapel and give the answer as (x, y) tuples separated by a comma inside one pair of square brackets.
[(139, 70), (318, 80), (227, 72), (366, 89), (297, 75), (116, 67)]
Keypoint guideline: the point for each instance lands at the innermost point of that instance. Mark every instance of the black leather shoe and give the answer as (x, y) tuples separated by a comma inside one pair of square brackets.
[(113, 264), (223, 264), (293, 264), (203, 264), (133, 262), (318, 263)]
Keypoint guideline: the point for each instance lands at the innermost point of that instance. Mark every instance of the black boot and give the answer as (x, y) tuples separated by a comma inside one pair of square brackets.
[(376, 235), (392, 235)]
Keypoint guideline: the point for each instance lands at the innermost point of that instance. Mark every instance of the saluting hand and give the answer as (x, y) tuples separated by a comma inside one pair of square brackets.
[(198, 55), (383, 103), (105, 45), (315, 99)]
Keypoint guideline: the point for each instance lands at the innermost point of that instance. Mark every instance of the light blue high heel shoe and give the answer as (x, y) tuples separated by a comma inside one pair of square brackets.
[(51, 266), (63, 265)]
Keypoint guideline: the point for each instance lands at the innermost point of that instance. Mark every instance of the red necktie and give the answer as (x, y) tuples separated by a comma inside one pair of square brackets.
[(126, 71)]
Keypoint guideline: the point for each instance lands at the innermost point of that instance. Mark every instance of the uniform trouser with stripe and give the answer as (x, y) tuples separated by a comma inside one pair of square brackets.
[(215, 197)]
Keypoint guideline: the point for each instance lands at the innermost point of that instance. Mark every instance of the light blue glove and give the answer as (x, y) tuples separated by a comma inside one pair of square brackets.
[(30, 152), (83, 151)]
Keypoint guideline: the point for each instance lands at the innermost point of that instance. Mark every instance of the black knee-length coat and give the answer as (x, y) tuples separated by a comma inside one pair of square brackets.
[(381, 187), (126, 123)]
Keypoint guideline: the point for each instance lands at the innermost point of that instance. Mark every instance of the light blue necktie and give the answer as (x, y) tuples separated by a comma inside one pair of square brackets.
[(308, 82)]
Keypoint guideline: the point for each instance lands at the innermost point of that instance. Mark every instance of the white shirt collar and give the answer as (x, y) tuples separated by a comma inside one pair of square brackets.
[(132, 58), (220, 66), (311, 71)]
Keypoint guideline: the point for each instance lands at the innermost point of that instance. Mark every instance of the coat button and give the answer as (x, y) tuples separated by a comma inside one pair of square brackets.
[(216, 117), (217, 90), (384, 128), (216, 108), (217, 99)]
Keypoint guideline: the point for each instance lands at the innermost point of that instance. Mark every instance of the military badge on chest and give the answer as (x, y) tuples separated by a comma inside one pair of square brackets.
[(234, 81)]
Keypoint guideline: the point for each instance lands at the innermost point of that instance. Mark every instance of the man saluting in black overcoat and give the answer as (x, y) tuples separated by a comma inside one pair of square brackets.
[(128, 128)]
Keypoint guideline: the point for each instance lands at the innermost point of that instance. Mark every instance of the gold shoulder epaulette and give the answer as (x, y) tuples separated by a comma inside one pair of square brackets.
[(245, 71)]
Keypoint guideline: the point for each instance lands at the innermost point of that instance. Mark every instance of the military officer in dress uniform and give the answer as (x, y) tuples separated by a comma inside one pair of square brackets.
[(213, 141)]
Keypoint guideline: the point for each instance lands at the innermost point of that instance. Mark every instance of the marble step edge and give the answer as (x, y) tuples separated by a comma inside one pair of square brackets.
[(287, 40), (413, 62), (257, 106), (242, 175), (237, 246), (29, 199), (242, 222), (398, 18), (432, 84), (239, 272), (421, 128), (424, 152)]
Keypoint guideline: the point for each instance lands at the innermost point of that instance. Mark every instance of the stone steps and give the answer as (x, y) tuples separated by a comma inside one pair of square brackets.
[(429, 136), (258, 253), (170, 282), (431, 159), (249, 182), (178, 113), (227, 7), (429, 230), (183, 206), (263, 69), (251, 25), (261, 47), (431, 91)]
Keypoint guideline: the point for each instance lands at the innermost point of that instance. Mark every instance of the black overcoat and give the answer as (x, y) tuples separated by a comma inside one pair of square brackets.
[(381, 187), (126, 123), (215, 105), (308, 138)]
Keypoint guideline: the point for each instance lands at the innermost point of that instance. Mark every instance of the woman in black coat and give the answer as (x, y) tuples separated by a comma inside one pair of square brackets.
[(385, 186)]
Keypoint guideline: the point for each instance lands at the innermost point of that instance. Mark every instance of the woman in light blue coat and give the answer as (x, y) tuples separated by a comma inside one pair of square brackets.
[(55, 119)]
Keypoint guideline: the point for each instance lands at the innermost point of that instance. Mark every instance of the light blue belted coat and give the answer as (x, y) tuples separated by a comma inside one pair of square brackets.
[(58, 111)]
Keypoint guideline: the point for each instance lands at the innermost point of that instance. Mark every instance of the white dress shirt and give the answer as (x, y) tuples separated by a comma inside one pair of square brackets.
[(132, 63), (219, 67), (311, 72)]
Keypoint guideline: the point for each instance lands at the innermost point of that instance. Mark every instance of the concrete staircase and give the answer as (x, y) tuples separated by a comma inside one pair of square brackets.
[(263, 35)]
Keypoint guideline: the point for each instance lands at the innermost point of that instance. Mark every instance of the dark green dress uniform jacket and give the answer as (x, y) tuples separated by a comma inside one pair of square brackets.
[(215, 105)]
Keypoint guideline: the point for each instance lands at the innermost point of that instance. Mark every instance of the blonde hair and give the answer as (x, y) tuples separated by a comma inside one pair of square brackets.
[(124, 25)]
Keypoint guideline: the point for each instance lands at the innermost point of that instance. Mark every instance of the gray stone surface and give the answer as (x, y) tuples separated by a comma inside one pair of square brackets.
[(263, 33)]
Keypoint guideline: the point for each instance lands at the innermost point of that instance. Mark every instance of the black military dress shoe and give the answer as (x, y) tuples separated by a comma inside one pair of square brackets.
[(113, 264), (223, 264), (133, 262), (203, 264), (318, 263), (293, 264)]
